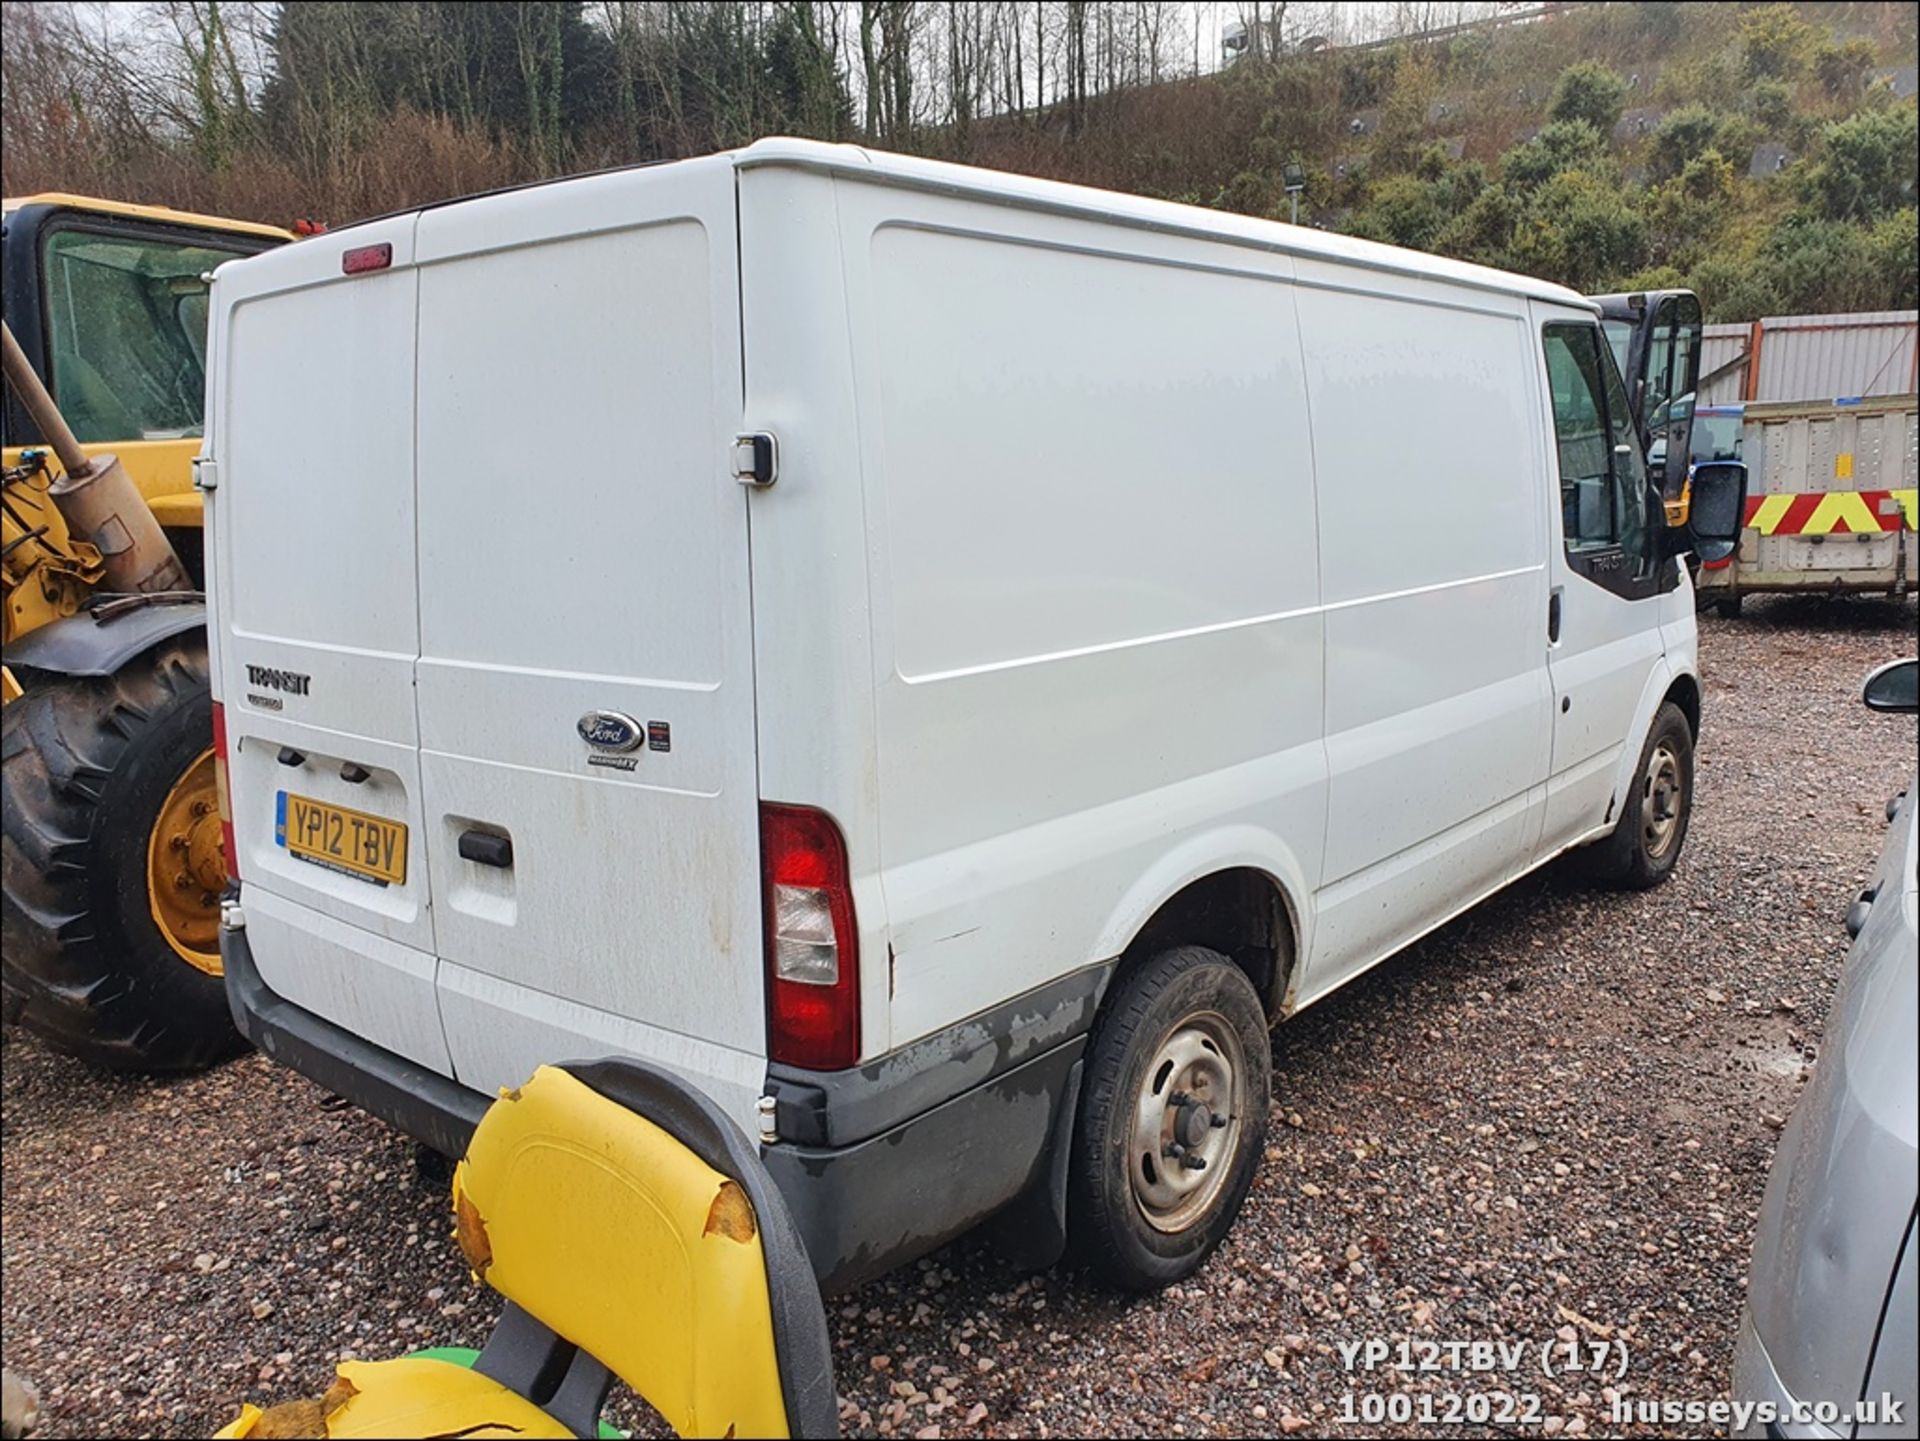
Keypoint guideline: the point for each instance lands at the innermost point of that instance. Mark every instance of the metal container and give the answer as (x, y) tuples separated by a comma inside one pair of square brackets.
[(1811, 357), (1830, 500)]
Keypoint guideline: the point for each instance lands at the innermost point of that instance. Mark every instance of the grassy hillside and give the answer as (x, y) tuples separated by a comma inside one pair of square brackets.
[(1764, 155)]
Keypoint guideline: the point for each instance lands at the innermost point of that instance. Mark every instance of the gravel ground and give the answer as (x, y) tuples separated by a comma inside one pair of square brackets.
[(1553, 1117)]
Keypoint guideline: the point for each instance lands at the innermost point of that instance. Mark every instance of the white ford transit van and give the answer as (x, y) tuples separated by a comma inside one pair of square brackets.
[(940, 659)]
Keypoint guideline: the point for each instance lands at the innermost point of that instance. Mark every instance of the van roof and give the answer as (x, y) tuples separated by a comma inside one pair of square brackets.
[(1027, 192)]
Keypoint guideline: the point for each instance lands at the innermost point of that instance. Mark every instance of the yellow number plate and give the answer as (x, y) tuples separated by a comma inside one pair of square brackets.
[(370, 847)]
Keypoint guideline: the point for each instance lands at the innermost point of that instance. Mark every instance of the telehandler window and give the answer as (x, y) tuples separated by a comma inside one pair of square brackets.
[(127, 333)]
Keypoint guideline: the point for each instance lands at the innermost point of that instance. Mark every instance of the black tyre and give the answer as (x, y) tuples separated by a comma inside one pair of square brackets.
[(111, 866), (1645, 844), (1178, 1072)]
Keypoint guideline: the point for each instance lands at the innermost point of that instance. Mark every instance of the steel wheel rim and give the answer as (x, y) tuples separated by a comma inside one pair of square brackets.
[(1660, 800), (1187, 1108), (187, 867)]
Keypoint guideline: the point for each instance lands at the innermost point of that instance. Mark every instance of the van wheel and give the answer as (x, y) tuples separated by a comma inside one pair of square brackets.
[(112, 865), (1172, 1120), (1646, 843)]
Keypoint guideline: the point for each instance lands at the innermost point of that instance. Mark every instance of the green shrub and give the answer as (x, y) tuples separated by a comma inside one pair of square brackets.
[(1770, 102), (1823, 265), (1711, 77), (1733, 288), (1776, 42), (1563, 145), (1869, 165), (1679, 137), (1894, 244), (1734, 137), (1686, 213), (1654, 277), (1483, 232), (1591, 92), (1662, 21), (1580, 230), (1401, 211), (1249, 193), (1843, 69)]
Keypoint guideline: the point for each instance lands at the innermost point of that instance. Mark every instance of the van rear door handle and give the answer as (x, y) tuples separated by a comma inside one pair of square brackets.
[(1553, 616), (487, 849)]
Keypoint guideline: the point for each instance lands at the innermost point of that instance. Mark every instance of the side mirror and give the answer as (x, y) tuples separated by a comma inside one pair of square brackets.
[(1893, 687), (1717, 512)]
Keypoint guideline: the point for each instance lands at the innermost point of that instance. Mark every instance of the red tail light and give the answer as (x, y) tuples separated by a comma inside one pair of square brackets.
[(813, 950), (220, 785)]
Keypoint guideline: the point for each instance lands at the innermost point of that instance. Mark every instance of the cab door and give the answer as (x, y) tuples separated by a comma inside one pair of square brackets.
[(1607, 575)]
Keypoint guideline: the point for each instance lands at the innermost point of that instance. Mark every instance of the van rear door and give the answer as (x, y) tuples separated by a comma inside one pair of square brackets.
[(585, 675), (311, 530)]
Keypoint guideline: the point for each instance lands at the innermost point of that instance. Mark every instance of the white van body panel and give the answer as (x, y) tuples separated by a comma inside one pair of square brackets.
[(501, 1030), (335, 969), (1432, 539), (315, 580), (815, 731), (1113, 544), (376, 505), (1092, 556), (607, 312), (1609, 668)]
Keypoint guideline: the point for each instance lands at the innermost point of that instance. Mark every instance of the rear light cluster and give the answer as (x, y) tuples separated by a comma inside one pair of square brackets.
[(366, 257), (813, 950), (221, 787)]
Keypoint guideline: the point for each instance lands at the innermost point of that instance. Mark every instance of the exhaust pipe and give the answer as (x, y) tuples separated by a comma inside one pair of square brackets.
[(96, 497)]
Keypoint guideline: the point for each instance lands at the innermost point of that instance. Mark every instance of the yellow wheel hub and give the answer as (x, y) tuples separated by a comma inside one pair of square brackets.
[(187, 867)]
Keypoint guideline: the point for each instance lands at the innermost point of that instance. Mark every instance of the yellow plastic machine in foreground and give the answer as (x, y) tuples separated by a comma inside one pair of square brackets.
[(633, 1232), (111, 859)]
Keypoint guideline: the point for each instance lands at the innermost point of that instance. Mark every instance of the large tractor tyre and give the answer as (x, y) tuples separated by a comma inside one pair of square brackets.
[(112, 865)]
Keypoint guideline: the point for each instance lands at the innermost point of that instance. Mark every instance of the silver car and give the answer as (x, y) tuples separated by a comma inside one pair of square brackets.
[(1829, 1327)]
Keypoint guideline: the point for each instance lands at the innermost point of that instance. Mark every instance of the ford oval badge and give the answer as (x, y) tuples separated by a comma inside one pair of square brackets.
[(608, 730)]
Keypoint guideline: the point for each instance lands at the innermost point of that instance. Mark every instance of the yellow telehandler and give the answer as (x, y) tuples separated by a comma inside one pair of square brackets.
[(111, 858)]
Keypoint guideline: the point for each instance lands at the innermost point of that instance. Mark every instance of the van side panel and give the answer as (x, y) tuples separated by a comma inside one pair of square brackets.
[(1094, 579), (603, 570), (1431, 533)]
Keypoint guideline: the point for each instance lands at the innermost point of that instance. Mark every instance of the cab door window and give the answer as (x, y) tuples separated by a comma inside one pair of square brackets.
[(127, 333), (1603, 480)]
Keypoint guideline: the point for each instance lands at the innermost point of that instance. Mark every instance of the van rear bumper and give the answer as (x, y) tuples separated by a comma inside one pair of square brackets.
[(861, 1208), (425, 1104)]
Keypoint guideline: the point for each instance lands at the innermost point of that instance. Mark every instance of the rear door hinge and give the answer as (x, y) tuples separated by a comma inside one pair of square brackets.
[(756, 459), (206, 475)]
